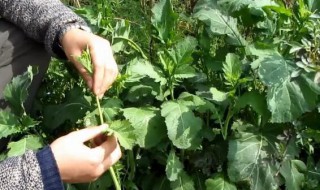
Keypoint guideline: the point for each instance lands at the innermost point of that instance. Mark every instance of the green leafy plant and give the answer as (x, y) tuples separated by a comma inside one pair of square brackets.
[(213, 94)]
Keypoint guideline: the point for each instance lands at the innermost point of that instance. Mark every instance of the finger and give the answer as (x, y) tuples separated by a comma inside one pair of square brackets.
[(97, 141), (99, 60), (86, 134), (110, 75), (112, 158), (106, 148)]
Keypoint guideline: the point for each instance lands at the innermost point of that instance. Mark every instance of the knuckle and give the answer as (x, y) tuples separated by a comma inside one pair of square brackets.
[(94, 162)]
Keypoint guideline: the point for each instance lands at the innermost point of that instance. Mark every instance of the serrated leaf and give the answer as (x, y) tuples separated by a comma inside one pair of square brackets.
[(16, 92), (164, 19), (174, 167), (124, 132), (287, 99), (219, 182), (182, 125), (9, 124), (148, 124), (219, 24), (291, 171), (246, 162), (122, 29), (85, 60), (27, 122), (73, 108), (30, 142), (184, 182)]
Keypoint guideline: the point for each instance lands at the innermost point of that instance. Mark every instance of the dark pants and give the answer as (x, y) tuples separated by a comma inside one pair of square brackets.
[(17, 52)]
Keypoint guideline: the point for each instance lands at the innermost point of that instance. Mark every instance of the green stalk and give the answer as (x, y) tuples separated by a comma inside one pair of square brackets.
[(113, 174)]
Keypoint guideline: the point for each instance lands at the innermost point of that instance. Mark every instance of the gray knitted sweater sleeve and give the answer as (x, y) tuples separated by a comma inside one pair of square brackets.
[(21, 173), (41, 20)]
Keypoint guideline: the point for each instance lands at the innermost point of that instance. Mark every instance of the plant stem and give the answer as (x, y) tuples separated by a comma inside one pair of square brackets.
[(100, 112), (114, 178), (112, 172), (226, 124), (131, 163)]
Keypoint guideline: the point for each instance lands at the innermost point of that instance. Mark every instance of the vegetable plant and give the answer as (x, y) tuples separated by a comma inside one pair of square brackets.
[(213, 94)]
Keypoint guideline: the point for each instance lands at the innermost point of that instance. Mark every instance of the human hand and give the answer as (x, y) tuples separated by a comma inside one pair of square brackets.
[(77, 162), (105, 69)]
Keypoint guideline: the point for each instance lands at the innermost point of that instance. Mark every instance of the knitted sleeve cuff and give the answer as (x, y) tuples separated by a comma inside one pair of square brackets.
[(49, 170), (56, 31)]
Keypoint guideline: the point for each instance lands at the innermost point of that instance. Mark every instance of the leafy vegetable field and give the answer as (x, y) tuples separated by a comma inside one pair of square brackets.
[(213, 94)]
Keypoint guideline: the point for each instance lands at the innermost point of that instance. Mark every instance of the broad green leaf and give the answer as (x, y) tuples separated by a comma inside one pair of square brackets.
[(199, 104), (9, 124), (3, 156), (73, 108), (110, 108), (141, 93), (256, 101), (205, 4), (102, 183), (174, 167), (246, 158), (164, 20), (16, 92), (182, 52), (148, 124), (287, 99), (281, 10), (313, 5), (27, 122), (232, 69), (218, 96), (184, 72), (141, 67), (219, 24), (182, 125), (70, 187), (124, 132), (181, 56), (122, 29), (219, 182), (184, 182), (291, 171), (235, 5), (30, 142)]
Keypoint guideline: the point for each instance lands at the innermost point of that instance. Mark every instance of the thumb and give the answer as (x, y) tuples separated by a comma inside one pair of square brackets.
[(89, 133)]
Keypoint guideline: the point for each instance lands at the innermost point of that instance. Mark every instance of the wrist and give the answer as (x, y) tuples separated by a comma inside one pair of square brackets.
[(57, 46), (49, 170)]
